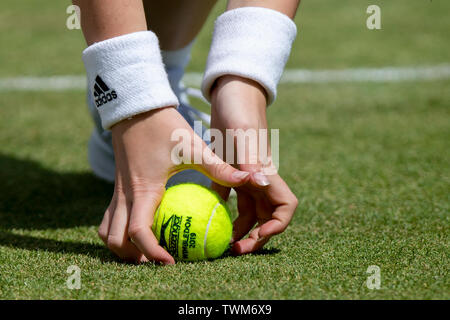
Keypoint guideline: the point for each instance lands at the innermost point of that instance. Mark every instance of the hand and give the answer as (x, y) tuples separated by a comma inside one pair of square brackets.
[(143, 151), (266, 200)]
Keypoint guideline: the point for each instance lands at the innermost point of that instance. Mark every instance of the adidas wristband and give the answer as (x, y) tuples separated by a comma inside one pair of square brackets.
[(251, 42), (126, 77)]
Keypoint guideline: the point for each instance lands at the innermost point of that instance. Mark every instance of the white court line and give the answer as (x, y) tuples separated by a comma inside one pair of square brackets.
[(193, 79)]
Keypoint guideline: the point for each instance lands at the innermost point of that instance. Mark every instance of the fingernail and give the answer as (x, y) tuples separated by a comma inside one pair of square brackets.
[(261, 179), (240, 174)]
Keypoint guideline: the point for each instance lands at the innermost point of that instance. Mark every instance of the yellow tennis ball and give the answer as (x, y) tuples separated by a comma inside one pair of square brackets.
[(192, 223)]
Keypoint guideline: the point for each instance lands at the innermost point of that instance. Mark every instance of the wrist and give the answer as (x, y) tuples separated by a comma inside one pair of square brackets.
[(149, 119), (126, 77), (238, 104), (236, 90), (252, 42)]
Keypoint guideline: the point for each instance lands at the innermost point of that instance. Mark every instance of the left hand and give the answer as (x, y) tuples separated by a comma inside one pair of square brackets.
[(266, 200)]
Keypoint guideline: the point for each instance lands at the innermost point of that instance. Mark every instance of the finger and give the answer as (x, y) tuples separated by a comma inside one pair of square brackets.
[(118, 240), (221, 172), (259, 180), (224, 192), (251, 244), (257, 177), (103, 229), (273, 226), (247, 216), (285, 204), (141, 220)]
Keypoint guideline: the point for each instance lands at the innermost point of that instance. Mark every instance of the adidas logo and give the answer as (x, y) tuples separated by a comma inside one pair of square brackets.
[(102, 93)]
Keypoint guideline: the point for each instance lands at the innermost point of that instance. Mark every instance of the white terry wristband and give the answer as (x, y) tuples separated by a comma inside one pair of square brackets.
[(126, 77), (251, 42)]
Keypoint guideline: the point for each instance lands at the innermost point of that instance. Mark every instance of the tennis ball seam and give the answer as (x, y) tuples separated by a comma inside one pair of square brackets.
[(207, 227)]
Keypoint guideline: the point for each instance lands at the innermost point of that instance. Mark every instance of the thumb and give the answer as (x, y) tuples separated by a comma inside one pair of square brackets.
[(221, 172), (258, 178)]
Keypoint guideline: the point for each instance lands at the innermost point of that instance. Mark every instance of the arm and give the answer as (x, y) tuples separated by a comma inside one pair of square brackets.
[(119, 17), (141, 116), (240, 102), (288, 7)]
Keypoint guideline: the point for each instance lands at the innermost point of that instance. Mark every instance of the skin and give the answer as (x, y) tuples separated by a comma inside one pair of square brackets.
[(100, 22), (180, 23), (266, 200), (288, 7), (141, 176)]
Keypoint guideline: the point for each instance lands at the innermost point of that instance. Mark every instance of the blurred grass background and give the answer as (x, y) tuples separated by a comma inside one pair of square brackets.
[(35, 40), (369, 163)]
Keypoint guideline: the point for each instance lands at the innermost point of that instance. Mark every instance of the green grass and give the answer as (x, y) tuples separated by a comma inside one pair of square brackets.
[(368, 162)]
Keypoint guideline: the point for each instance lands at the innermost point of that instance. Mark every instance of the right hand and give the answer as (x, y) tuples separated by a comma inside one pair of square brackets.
[(142, 149), (266, 204)]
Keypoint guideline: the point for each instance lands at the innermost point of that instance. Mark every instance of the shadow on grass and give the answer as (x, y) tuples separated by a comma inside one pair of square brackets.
[(35, 198), (229, 254), (260, 252), (265, 252), (8, 239)]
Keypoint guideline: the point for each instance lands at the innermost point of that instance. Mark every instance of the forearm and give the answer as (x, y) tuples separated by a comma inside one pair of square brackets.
[(177, 22), (253, 40), (101, 20), (288, 7), (242, 92), (125, 73)]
